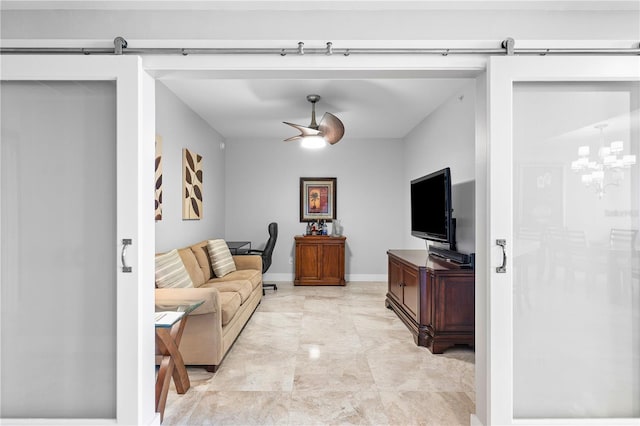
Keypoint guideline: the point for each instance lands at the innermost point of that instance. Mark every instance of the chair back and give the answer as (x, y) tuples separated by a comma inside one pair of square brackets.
[(623, 239), (268, 248)]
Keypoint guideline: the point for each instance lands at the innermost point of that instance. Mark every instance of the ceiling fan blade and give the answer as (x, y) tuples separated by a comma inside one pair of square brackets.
[(294, 138), (304, 131), (331, 128)]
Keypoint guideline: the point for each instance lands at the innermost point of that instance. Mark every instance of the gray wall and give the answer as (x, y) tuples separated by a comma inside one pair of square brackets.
[(446, 138), (181, 128), (263, 185), (253, 182)]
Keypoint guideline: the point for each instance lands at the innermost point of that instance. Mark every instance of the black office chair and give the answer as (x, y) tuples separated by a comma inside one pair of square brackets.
[(267, 252)]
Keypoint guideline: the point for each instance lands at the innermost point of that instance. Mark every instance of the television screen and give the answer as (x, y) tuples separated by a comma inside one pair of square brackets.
[(431, 206)]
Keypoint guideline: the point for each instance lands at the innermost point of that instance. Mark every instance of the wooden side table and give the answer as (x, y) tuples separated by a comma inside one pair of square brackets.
[(319, 260), (170, 323)]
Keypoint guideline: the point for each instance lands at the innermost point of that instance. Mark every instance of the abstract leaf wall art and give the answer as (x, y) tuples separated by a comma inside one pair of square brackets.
[(192, 179), (158, 180)]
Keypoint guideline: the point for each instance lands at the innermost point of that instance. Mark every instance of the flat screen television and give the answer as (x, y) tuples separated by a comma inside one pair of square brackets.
[(431, 211)]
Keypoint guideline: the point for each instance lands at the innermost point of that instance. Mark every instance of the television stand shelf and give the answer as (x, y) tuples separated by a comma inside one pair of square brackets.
[(435, 299)]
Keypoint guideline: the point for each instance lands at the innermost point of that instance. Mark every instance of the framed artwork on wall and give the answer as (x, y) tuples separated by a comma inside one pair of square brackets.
[(543, 207), (192, 184), (318, 199), (158, 178)]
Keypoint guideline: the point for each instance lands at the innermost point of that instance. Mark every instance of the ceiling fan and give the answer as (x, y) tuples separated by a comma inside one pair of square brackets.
[(316, 135)]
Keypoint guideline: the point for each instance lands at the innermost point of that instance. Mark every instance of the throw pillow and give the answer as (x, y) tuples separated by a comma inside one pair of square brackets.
[(221, 259), (170, 271)]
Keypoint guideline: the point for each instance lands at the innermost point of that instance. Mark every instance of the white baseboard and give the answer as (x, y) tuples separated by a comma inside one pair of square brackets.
[(353, 277), (277, 277), (366, 277)]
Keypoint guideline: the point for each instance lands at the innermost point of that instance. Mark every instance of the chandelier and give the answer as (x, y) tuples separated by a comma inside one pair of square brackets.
[(606, 168)]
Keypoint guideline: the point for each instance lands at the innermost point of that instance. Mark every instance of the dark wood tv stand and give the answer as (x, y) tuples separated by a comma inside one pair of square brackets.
[(434, 298)]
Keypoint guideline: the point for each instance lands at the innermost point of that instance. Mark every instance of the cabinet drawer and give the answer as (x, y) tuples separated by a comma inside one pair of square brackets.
[(455, 298), (395, 280), (332, 262), (307, 263), (410, 291)]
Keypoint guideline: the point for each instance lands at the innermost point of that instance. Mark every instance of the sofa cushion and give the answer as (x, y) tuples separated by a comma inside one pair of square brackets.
[(229, 303), (221, 259), (170, 271), (243, 288), (251, 275), (251, 261), (192, 267), (204, 261)]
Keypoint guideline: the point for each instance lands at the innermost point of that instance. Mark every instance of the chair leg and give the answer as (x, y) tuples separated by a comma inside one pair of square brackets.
[(269, 285)]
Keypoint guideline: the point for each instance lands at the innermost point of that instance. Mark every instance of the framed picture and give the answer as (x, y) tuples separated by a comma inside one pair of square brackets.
[(192, 185), (317, 199), (543, 207), (158, 186)]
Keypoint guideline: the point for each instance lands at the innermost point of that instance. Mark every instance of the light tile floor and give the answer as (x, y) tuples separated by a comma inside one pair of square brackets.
[(328, 355)]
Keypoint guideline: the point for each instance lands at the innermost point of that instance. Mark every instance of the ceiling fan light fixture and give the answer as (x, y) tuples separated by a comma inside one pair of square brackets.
[(313, 142), (330, 130)]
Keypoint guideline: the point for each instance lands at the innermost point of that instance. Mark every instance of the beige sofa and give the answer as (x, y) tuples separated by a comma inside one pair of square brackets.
[(229, 303)]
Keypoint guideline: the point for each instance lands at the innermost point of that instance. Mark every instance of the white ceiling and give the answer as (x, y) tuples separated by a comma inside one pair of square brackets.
[(369, 108)]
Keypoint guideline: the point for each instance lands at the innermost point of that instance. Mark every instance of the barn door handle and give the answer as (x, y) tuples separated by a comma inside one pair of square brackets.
[(125, 243), (502, 269)]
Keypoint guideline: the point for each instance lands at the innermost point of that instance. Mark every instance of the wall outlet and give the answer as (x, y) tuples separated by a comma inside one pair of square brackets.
[(290, 260)]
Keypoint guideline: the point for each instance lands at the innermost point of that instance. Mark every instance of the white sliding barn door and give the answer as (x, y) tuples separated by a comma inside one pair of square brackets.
[(564, 197), (76, 179)]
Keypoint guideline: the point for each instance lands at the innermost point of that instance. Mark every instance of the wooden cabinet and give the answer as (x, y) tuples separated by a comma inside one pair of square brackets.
[(403, 285), (319, 260), (435, 299)]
